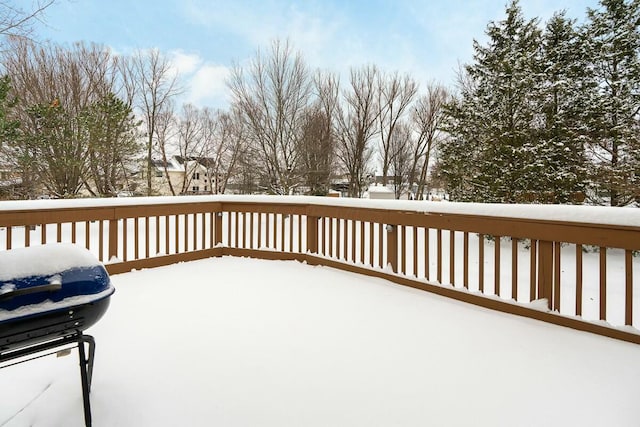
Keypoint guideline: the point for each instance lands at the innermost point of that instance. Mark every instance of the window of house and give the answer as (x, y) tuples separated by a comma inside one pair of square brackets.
[(196, 188), (196, 175)]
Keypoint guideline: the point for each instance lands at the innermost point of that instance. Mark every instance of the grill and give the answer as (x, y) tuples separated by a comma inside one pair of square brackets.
[(49, 295)]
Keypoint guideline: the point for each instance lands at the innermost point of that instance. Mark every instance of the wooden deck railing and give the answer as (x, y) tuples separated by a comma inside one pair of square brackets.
[(574, 274)]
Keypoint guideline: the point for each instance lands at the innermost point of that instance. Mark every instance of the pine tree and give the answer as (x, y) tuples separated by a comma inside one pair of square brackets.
[(493, 122), (614, 104), (559, 153), (459, 157), (8, 126), (111, 144), (53, 149)]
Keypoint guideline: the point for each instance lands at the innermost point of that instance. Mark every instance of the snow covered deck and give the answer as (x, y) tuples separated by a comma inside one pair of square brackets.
[(241, 342)]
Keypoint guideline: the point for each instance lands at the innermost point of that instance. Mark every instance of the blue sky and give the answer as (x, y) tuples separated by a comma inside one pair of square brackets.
[(427, 39)]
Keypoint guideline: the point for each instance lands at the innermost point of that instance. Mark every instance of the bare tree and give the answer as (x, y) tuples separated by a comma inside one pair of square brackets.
[(16, 22), (318, 143), (427, 119), (126, 85), (356, 126), (166, 132), (191, 142), (400, 153), (316, 148), (225, 146), (156, 85), (395, 94), (272, 96)]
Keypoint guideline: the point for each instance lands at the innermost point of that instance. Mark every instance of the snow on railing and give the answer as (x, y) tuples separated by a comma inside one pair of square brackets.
[(576, 262)]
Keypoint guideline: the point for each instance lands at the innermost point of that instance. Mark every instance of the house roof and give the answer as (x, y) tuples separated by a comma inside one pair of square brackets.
[(206, 162), (171, 165)]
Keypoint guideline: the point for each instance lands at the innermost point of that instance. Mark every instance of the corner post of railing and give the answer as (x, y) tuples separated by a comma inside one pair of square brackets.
[(112, 250), (545, 272), (312, 234), (392, 246)]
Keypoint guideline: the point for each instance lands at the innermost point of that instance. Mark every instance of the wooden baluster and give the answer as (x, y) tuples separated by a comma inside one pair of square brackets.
[(381, 240), (481, 263), (414, 243), (371, 244), (578, 280), (603, 283), (136, 238), (496, 268), (392, 247), (452, 257), (87, 235), (628, 270), (439, 254), (124, 239), (533, 252), (556, 275), (113, 239), (545, 272), (465, 252), (514, 269), (427, 250), (176, 237)]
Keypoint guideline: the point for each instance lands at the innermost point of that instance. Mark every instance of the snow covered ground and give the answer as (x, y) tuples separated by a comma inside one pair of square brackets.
[(241, 342)]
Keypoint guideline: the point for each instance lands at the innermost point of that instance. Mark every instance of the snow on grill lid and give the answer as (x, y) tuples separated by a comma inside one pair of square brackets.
[(43, 260)]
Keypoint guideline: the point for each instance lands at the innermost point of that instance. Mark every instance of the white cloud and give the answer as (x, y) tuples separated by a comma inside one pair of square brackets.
[(204, 82), (185, 63), (208, 86)]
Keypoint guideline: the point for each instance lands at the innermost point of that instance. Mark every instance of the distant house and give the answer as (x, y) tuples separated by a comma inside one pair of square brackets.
[(188, 175), (381, 192)]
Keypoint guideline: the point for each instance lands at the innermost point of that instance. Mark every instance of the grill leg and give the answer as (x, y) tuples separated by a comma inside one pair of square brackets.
[(86, 372)]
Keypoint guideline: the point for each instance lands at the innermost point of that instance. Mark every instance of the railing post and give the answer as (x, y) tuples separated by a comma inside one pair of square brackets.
[(112, 250), (312, 234), (545, 272), (392, 247), (218, 228)]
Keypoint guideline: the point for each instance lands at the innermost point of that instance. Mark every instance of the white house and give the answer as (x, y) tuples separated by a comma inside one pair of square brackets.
[(188, 175)]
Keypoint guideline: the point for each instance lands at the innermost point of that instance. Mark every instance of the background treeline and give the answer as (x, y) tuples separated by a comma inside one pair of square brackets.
[(80, 119), (543, 113)]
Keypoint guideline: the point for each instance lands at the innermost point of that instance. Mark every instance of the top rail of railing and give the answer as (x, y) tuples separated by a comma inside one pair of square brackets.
[(581, 214)]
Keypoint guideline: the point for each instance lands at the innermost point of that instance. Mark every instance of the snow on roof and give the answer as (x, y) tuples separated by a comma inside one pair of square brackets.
[(380, 189), (171, 165), (626, 216)]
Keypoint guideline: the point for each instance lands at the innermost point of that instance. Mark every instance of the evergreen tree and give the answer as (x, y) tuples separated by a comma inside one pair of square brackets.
[(111, 144), (493, 123), (8, 126), (8, 133), (614, 49), (560, 163), (53, 149), (460, 155)]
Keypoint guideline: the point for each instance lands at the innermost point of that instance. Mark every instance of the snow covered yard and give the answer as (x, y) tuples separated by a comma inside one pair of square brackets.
[(241, 342)]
